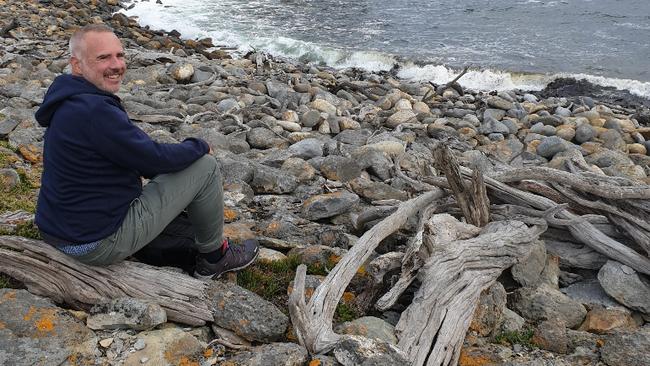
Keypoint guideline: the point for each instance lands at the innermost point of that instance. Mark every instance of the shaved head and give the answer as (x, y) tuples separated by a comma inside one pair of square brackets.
[(76, 43)]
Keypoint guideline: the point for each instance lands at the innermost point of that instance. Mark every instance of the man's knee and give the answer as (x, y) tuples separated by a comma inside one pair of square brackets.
[(207, 162)]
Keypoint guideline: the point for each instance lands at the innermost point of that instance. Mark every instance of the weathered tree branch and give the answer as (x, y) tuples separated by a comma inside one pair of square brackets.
[(47, 272)]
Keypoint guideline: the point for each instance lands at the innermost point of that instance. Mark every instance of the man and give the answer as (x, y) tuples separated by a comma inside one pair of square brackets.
[(92, 204)]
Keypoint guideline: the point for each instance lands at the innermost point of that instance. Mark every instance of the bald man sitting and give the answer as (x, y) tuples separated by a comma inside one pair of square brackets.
[(92, 205)]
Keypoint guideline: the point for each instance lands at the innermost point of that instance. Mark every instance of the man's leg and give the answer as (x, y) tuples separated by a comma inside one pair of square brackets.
[(197, 188), (173, 247)]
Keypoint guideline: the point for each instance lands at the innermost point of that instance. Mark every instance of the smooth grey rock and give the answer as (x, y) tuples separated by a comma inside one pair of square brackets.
[(339, 168), (36, 332), (376, 162), (627, 348), (499, 103), (227, 105), (307, 148), (7, 124), (511, 321), (376, 190), (491, 125), (527, 273), (549, 121), (126, 313), (271, 180), (512, 126), (551, 145), (278, 90), (311, 118), (545, 302), (360, 351), (607, 158), (584, 133), (590, 293), (543, 129), (458, 112), (9, 179), (626, 286), (613, 140), (530, 98), (441, 132), (280, 354), (563, 112), (399, 117), (328, 205), (245, 313), (369, 327), (26, 136), (354, 137), (497, 114), (262, 138)]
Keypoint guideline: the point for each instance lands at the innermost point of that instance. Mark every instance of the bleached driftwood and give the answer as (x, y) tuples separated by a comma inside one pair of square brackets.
[(312, 321), (432, 329), (47, 272)]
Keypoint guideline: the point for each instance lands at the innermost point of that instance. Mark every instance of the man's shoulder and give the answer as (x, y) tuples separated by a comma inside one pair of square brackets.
[(94, 103)]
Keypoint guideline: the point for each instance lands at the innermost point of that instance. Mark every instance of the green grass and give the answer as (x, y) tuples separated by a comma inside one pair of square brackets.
[(23, 196), (4, 281), (270, 280), (523, 337), (345, 313)]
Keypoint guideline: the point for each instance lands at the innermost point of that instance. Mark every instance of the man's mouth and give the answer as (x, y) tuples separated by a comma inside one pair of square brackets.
[(114, 76)]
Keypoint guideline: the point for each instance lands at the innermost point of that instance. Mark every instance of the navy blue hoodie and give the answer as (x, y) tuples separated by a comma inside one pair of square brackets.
[(93, 159)]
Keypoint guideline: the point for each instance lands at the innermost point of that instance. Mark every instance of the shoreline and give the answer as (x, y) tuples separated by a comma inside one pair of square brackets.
[(481, 77)]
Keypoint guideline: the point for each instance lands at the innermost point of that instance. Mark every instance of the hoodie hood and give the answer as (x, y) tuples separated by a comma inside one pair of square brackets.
[(64, 87)]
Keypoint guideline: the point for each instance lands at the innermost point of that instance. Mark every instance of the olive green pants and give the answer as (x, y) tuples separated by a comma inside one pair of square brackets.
[(197, 189)]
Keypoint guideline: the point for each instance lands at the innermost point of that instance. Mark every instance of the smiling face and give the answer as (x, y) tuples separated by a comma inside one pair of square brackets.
[(99, 58)]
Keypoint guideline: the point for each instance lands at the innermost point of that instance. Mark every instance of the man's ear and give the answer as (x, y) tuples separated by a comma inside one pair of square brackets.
[(75, 65)]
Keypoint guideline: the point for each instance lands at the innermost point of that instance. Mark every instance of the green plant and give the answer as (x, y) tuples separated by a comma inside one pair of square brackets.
[(270, 279), (345, 313), (523, 337)]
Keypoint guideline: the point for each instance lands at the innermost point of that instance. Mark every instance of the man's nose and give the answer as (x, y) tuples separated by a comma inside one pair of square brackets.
[(117, 62)]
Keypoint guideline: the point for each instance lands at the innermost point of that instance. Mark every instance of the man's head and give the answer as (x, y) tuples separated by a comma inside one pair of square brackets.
[(97, 55)]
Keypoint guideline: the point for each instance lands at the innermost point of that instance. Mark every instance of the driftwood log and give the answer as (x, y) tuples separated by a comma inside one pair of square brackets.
[(46, 271), (432, 329), (312, 321)]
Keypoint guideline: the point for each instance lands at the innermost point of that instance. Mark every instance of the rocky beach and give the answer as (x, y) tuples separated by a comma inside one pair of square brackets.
[(313, 158)]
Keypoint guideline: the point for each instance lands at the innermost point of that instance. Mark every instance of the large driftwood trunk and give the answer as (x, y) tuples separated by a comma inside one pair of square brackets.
[(313, 321), (432, 329), (47, 272)]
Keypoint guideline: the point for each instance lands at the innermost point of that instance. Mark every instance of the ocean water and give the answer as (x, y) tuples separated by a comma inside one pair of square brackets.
[(506, 43)]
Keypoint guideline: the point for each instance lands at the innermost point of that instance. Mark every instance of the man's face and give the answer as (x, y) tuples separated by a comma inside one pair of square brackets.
[(100, 60)]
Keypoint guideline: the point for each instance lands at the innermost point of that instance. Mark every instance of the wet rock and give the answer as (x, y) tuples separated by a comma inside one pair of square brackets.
[(328, 205), (126, 313), (166, 347), (356, 351), (625, 285), (245, 313), (369, 327), (545, 302), (628, 348), (33, 331), (551, 335), (489, 310), (281, 354)]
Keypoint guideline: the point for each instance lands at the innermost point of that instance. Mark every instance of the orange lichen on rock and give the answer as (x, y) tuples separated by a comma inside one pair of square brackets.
[(334, 259), (45, 323), (208, 352), (184, 361), (229, 215), (472, 358), (11, 295), (348, 297), (314, 363), (31, 153), (30, 314), (2, 325)]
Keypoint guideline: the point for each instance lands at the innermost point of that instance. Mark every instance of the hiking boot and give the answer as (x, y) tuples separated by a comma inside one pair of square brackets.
[(235, 257)]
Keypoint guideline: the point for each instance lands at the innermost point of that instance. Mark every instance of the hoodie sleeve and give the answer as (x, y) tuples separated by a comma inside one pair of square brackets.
[(115, 137)]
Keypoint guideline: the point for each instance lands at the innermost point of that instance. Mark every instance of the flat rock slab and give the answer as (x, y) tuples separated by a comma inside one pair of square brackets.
[(165, 347), (33, 331), (126, 313), (590, 293), (370, 327), (626, 286), (280, 354), (245, 313), (627, 348), (356, 350)]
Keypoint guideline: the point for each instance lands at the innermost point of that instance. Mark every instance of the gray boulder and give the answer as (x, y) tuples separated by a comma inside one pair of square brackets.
[(626, 286), (369, 327), (280, 354), (360, 351), (627, 348), (545, 302), (245, 313), (329, 204), (126, 313)]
